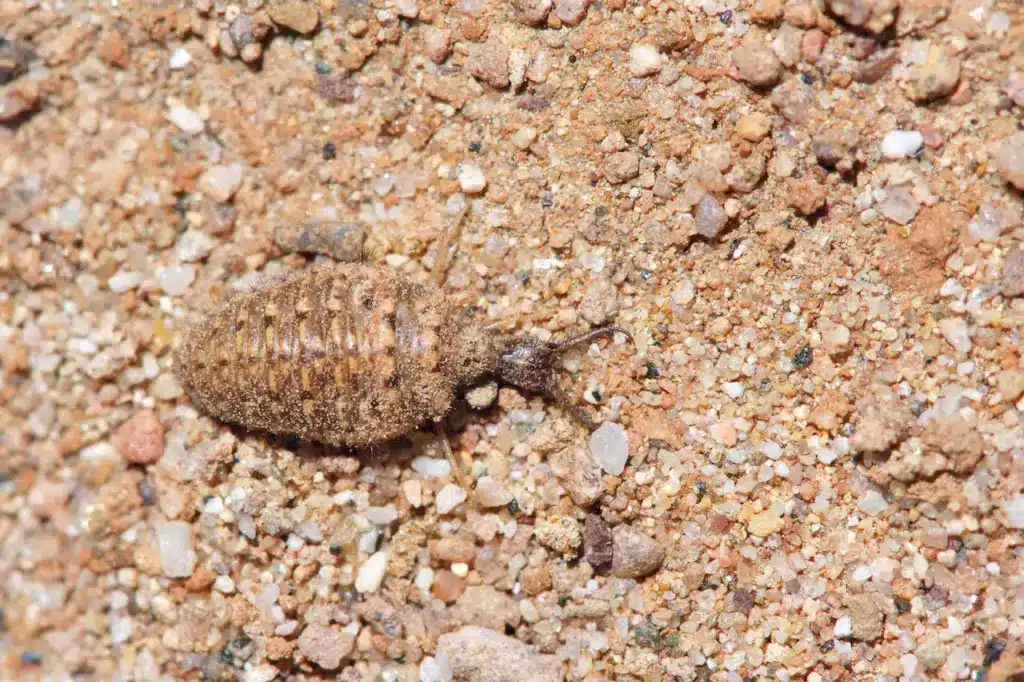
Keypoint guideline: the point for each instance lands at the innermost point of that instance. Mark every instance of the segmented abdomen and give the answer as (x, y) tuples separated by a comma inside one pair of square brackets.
[(347, 355)]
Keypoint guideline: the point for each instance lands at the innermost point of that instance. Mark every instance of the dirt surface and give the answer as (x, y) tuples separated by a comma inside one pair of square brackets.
[(807, 213)]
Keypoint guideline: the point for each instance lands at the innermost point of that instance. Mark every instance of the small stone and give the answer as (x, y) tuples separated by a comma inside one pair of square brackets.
[(342, 241), (936, 77), (1014, 87), (448, 498), (813, 45), (806, 195), (867, 618), (902, 144), (843, 628), (756, 63), (187, 120), (371, 572), (610, 447), (193, 245), (221, 182), (754, 127), (176, 279), (710, 218), (490, 64), (1010, 384), (325, 646), (872, 503), (524, 137), (835, 338), (836, 149), (437, 44), (622, 167), (873, 15), (264, 672), (645, 60), (580, 474), (407, 9), (764, 524), (140, 440), (532, 12), (180, 58), (490, 493), (484, 655), (471, 179), (487, 606), (301, 17), (1013, 508), (956, 333), (1009, 160), (121, 282), (482, 397), (571, 12), (241, 31), (174, 539), (634, 554), (433, 670), (899, 205), (535, 580), (597, 542), (560, 534)]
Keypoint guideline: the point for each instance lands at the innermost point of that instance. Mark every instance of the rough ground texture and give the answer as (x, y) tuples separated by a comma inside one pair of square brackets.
[(822, 412)]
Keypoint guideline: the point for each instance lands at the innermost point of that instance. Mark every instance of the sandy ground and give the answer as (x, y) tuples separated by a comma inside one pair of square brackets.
[(808, 214)]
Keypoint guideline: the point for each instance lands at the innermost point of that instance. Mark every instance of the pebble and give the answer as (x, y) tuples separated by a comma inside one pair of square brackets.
[(434, 670), (902, 144), (448, 498), (482, 397), (371, 573), (1014, 87), (325, 646), (1011, 277), (580, 474), (571, 12), (1009, 160), (754, 127), (140, 440), (710, 218), (471, 179), (431, 467), (936, 77), (765, 523), (264, 672), (843, 628), (1010, 384), (532, 12), (634, 554), (872, 503), (193, 245), (622, 167), (165, 387), (187, 120), (560, 534), (490, 64), (301, 17), (610, 447), (874, 15), (342, 241), (1013, 508), (180, 58), (437, 44), (645, 60), (484, 655), (954, 330), (598, 543), (490, 493), (174, 539), (867, 618), (121, 282), (756, 63), (221, 182), (899, 205), (176, 279)]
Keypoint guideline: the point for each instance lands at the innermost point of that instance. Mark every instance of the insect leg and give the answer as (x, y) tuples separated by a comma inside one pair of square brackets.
[(587, 337), (461, 475), (449, 239), (562, 399)]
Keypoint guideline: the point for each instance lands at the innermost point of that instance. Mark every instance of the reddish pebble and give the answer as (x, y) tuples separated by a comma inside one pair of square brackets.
[(447, 586), (140, 440), (962, 94), (813, 45), (932, 137)]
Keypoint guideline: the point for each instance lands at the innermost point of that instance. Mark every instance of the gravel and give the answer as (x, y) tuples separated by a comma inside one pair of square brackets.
[(483, 655), (177, 557), (609, 445)]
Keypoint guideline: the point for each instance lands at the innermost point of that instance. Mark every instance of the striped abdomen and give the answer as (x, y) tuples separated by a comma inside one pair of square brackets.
[(346, 355)]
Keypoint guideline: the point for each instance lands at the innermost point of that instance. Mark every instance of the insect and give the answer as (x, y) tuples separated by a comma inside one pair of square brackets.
[(354, 355)]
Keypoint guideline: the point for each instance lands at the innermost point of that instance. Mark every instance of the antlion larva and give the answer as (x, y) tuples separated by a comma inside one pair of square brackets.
[(353, 355)]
